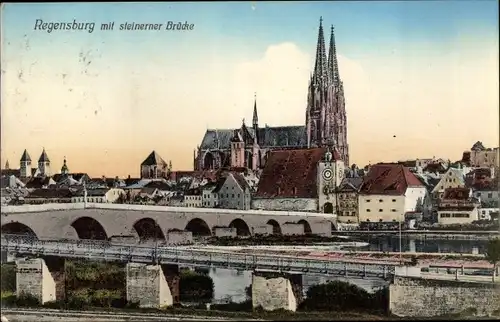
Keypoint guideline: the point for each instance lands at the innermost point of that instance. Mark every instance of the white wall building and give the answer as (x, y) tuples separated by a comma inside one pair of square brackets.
[(388, 192)]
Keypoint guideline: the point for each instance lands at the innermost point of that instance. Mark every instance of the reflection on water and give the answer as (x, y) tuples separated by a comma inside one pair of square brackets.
[(230, 284), (412, 244)]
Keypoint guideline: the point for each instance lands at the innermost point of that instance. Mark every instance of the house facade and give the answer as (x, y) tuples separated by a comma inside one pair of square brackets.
[(388, 192), (458, 206), (348, 200)]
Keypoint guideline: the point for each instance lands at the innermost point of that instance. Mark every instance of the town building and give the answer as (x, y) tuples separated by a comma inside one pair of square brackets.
[(99, 195), (233, 192), (210, 196), (300, 180), (457, 206), (193, 198), (482, 157), (452, 178), (326, 120), (388, 192), (56, 195), (348, 200), (154, 167)]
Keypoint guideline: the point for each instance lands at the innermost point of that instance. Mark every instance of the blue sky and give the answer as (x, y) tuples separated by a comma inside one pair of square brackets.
[(362, 26), (425, 61)]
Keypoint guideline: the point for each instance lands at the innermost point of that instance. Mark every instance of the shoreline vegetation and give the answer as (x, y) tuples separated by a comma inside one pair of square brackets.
[(100, 286)]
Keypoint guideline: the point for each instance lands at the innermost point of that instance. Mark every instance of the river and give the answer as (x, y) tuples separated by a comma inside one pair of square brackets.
[(230, 284)]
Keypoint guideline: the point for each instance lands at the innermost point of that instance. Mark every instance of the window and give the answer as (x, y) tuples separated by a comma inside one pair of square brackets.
[(393, 200), (445, 216), (294, 190), (484, 212), (490, 195), (238, 195), (368, 210), (367, 200), (380, 200), (478, 194), (232, 195), (380, 210), (393, 210)]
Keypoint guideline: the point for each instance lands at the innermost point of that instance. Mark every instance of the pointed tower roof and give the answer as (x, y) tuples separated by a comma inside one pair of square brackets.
[(320, 66), (25, 157), (333, 66), (255, 119), (7, 166), (154, 159), (43, 157), (64, 168)]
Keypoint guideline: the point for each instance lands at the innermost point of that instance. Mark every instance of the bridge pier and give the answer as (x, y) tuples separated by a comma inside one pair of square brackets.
[(273, 291), (43, 278), (152, 286)]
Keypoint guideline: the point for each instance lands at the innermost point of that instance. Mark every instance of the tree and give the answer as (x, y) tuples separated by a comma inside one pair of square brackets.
[(493, 254)]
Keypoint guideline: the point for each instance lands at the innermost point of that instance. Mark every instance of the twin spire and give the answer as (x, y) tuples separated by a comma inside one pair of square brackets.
[(326, 69)]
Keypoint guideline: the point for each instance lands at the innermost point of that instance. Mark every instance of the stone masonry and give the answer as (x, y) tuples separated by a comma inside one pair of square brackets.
[(275, 291), (152, 286), (417, 297), (42, 278)]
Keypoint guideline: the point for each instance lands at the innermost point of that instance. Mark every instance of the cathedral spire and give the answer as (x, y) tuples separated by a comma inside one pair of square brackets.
[(320, 67), (255, 119), (333, 66), (7, 166)]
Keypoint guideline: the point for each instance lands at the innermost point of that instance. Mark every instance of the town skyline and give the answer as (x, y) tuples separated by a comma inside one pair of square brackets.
[(98, 113)]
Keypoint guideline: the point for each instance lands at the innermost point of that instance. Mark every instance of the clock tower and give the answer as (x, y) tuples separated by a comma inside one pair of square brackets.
[(330, 174)]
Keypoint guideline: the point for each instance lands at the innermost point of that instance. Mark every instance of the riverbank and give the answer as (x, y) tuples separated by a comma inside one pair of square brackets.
[(420, 234)]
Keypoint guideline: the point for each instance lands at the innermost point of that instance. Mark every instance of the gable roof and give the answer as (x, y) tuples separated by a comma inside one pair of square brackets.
[(154, 159), (389, 179), (290, 173), (351, 184), (240, 180)]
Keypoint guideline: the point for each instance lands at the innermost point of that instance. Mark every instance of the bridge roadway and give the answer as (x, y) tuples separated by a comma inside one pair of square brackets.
[(22, 245)]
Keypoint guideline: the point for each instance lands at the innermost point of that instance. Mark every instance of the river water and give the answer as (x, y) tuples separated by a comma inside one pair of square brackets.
[(229, 285)]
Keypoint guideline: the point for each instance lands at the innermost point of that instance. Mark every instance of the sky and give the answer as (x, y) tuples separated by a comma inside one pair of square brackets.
[(420, 77)]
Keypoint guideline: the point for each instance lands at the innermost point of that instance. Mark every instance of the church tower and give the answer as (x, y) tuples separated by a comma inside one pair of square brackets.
[(25, 169), (330, 175), (64, 168), (44, 164), (325, 113)]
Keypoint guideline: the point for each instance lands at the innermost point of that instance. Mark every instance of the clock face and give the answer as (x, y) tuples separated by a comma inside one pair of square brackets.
[(327, 174)]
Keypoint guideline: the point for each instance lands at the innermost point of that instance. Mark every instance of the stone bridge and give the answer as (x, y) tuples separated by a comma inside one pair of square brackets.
[(103, 221)]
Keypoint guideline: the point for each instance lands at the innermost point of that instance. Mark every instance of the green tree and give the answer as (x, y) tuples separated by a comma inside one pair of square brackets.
[(493, 254)]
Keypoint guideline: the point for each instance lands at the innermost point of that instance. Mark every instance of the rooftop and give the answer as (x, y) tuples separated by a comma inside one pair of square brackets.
[(290, 173), (389, 179)]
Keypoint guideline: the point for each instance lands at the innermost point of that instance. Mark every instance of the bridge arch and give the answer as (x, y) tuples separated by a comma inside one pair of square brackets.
[(148, 229), (307, 226), (17, 228), (276, 226), (198, 227), (89, 228), (241, 226)]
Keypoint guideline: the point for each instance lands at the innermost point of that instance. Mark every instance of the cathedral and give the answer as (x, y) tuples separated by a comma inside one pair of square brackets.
[(325, 123)]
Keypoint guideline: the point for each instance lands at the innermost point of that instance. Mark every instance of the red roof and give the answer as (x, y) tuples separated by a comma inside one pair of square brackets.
[(290, 173), (389, 179)]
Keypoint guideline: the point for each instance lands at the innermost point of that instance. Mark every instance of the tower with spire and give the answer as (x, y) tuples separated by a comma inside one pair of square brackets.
[(25, 165), (44, 164), (325, 113), (64, 168)]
